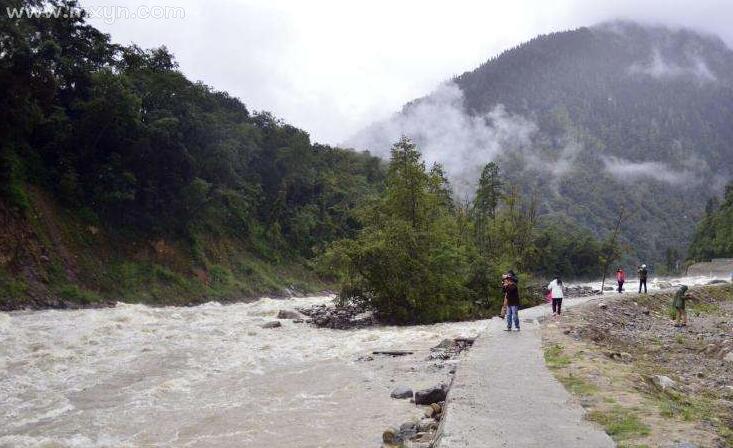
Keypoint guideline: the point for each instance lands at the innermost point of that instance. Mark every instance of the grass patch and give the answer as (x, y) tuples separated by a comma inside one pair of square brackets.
[(78, 295), (12, 288), (554, 357), (620, 423), (705, 308), (578, 386), (674, 404)]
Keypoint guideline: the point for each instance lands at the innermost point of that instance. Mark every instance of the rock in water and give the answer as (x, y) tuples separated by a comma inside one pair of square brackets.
[(408, 430), (431, 395), (401, 392), (389, 435), (716, 282), (426, 425), (288, 314), (274, 324)]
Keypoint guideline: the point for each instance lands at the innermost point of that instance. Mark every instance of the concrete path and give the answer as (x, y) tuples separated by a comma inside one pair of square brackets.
[(503, 395)]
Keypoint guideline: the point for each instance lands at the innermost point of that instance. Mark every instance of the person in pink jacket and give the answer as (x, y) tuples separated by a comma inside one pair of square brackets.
[(621, 279)]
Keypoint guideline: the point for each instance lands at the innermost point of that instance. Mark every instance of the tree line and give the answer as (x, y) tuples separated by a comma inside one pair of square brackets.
[(421, 256)]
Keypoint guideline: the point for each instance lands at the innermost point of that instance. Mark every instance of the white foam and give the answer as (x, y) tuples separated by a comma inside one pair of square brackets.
[(144, 374)]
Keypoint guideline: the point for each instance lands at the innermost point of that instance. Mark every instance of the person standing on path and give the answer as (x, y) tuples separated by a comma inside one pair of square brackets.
[(643, 274), (621, 279), (556, 293), (511, 301)]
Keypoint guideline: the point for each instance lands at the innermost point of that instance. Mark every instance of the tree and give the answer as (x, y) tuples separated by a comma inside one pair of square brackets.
[(610, 250), (408, 262), (714, 234), (486, 201)]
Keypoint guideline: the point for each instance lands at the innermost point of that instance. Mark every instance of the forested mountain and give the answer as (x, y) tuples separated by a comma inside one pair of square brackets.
[(714, 235), (591, 120), (120, 178)]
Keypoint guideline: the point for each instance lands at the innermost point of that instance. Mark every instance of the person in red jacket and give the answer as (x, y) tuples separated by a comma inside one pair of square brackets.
[(621, 279)]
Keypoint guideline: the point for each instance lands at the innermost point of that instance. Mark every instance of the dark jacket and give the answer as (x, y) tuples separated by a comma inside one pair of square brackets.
[(512, 295)]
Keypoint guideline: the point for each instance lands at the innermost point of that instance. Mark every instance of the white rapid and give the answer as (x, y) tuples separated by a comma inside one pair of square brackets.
[(654, 283), (207, 376)]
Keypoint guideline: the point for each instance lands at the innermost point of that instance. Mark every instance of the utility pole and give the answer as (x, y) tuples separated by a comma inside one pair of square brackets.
[(612, 247)]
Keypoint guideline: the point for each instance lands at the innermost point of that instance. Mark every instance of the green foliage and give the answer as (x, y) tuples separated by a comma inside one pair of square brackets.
[(12, 177), (565, 249), (79, 295), (714, 235), (422, 258), (124, 141), (408, 262)]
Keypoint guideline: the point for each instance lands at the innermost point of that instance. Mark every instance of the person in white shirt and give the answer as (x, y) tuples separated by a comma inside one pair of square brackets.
[(555, 288)]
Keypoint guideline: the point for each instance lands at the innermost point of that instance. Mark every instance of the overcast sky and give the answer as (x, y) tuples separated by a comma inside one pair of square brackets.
[(332, 67)]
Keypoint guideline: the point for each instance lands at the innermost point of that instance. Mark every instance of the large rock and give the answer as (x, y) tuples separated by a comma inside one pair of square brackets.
[(401, 392), (408, 430), (431, 395), (427, 425), (662, 382), (716, 282), (288, 314), (390, 435), (274, 324)]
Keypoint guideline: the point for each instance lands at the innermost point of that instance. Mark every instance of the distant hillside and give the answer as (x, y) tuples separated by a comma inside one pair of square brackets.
[(592, 119)]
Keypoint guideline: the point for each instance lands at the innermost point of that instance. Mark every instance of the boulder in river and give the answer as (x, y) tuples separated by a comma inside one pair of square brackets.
[(288, 314), (426, 425), (431, 395), (390, 435), (401, 392), (274, 324)]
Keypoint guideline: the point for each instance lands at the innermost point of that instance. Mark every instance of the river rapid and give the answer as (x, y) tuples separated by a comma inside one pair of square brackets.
[(206, 376)]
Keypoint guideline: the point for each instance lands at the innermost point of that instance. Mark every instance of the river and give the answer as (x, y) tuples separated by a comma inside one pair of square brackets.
[(206, 376)]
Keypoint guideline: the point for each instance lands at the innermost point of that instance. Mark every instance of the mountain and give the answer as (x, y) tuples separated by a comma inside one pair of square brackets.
[(590, 120)]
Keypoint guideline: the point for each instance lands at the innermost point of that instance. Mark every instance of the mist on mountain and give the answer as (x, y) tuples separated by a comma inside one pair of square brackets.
[(592, 120)]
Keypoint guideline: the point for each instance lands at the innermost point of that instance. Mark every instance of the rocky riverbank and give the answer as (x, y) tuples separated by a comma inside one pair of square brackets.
[(647, 382), (421, 431)]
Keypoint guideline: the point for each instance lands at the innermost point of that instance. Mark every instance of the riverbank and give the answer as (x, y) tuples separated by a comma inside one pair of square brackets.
[(52, 257), (646, 382)]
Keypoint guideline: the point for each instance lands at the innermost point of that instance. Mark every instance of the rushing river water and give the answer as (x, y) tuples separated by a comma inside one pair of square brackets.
[(207, 376)]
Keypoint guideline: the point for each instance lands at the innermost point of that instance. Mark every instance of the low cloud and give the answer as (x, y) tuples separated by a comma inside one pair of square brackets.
[(630, 171), (444, 133), (661, 68)]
